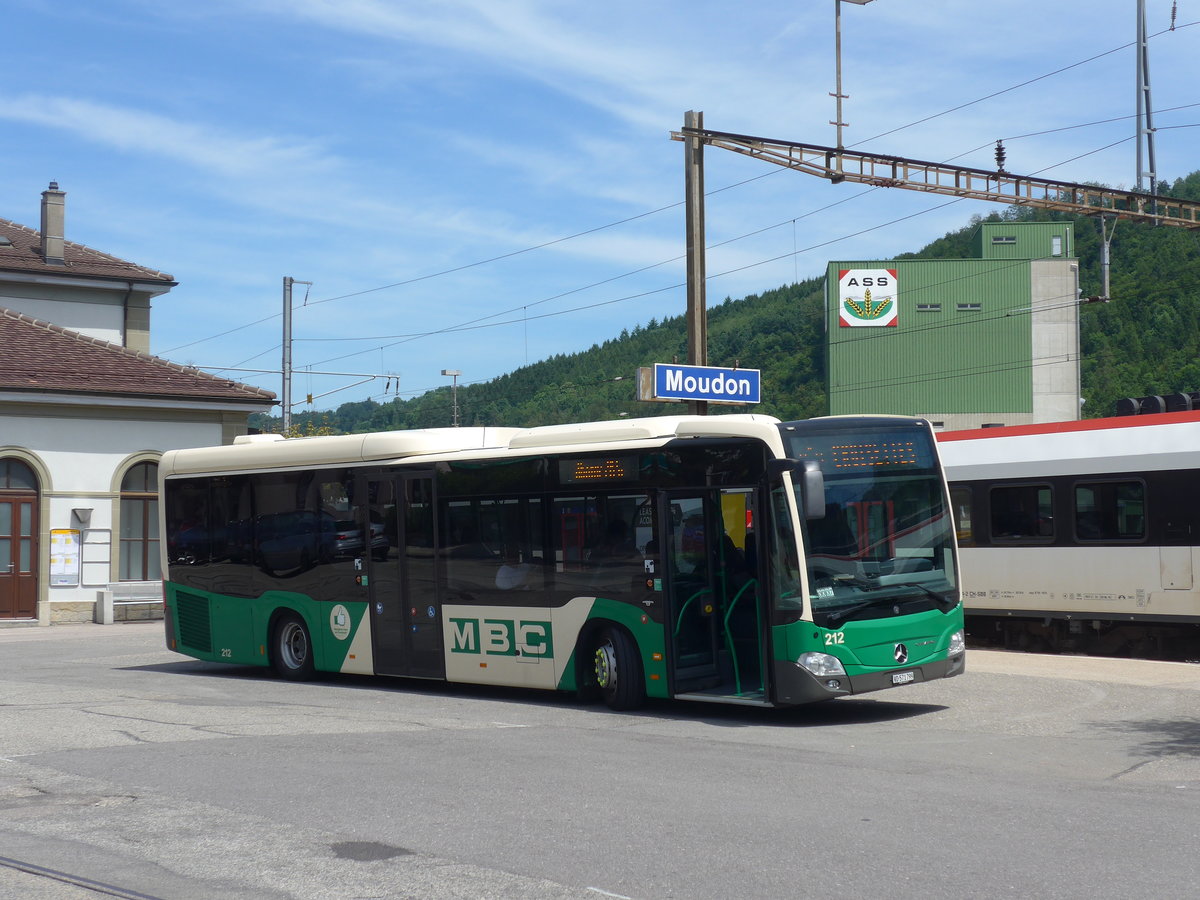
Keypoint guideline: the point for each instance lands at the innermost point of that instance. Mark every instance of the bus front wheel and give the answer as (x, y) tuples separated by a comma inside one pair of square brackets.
[(292, 655), (618, 670)]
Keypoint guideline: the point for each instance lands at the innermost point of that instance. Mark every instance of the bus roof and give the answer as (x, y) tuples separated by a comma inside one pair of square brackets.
[(267, 451)]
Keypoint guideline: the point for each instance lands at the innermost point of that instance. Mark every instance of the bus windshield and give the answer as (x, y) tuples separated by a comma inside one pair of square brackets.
[(884, 546)]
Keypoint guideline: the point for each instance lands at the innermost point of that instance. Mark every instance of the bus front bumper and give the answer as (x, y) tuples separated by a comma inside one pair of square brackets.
[(795, 685)]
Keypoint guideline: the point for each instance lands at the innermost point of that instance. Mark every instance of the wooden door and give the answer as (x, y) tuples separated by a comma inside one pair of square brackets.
[(18, 555)]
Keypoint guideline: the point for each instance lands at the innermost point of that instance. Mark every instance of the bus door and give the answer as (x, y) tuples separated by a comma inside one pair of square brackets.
[(405, 609), (712, 592)]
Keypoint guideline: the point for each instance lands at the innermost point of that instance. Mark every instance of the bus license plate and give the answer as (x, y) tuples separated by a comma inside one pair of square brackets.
[(903, 677)]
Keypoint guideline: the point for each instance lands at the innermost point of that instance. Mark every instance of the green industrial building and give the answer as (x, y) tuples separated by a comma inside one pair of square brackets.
[(963, 342)]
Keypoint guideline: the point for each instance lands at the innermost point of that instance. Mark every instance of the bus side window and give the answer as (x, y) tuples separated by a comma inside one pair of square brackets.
[(493, 544), (598, 541)]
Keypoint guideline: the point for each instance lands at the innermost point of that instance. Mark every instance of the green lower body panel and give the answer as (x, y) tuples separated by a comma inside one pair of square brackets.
[(647, 634), (239, 630)]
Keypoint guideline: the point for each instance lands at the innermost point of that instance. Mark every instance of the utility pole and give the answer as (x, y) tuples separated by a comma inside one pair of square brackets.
[(1106, 237), (837, 64), (1145, 118), (697, 311), (453, 373), (286, 392)]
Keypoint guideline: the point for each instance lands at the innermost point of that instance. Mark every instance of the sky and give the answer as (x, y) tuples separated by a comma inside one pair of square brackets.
[(477, 185)]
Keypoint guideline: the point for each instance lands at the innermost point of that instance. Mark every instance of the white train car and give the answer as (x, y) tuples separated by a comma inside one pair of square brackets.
[(1081, 535)]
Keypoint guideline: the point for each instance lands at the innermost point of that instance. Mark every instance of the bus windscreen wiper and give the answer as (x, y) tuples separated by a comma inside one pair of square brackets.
[(836, 618), (944, 603), (841, 615)]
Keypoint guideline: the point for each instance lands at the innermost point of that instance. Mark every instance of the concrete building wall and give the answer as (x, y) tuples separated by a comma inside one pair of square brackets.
[(80, 446), (991, 340), (101, 317), (1055, 334), (81, 455), (137, 323), (1024, 240), (960, 343), (107, 312)]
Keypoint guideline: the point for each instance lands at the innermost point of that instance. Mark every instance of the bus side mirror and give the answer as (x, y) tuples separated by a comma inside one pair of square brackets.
[(813, 490), (812, 483)]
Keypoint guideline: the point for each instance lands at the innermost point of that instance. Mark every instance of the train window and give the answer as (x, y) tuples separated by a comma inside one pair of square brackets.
[(960, 502), (1022, 512), (1110, 511)]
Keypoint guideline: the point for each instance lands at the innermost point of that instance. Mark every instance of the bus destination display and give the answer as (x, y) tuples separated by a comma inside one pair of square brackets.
[(863, 455), (597, 469)]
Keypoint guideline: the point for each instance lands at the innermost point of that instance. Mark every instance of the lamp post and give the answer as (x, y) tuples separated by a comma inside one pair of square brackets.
[(453, 373), (837, 55)]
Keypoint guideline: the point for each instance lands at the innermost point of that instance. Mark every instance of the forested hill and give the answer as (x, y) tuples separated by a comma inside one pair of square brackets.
[(1146, 341)]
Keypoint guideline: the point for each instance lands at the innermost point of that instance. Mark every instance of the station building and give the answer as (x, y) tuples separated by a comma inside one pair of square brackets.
[(85, 413), (965, 343)]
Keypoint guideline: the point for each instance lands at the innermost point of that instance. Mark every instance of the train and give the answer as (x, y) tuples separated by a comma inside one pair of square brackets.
[(1080, 536)]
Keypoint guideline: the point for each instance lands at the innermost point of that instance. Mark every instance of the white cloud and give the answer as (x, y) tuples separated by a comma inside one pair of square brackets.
[(146, 133)]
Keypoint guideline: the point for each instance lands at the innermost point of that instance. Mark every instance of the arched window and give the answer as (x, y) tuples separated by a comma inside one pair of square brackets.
[(16, 476), (139, 524)]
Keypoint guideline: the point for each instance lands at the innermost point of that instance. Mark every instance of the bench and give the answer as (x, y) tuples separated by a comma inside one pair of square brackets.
[(129, 601)]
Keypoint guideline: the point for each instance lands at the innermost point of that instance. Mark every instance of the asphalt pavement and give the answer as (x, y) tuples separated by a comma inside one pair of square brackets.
[(127, 770)]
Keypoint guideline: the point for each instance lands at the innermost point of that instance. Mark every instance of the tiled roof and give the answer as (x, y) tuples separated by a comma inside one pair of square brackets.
[(39, 356), (21, 251)]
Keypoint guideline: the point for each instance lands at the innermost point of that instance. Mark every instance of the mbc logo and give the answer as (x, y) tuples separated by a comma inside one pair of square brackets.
[(502, 637)]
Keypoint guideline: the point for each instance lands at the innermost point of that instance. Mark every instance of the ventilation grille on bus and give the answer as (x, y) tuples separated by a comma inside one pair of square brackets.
[(195, 629)]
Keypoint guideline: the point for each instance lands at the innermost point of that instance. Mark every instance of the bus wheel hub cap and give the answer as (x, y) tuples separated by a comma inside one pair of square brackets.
[(605, 666)]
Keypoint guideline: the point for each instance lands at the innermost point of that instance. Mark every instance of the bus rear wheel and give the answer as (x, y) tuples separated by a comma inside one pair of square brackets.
[(618, 670), (292, 650)]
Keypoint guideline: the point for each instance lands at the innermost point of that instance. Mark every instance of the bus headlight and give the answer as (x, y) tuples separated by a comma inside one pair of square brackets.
[(958, 643), (821, 665)]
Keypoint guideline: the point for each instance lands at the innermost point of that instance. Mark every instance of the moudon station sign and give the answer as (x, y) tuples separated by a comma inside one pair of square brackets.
[(674, 383)]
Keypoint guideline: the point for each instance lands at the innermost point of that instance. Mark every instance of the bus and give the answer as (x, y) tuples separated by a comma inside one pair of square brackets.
[(1081, 536), (728, 559)]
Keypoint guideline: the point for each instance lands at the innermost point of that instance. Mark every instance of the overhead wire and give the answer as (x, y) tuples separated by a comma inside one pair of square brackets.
[(485, 322), (1022, 84), (628, 219), (1017, 137), (474, 324), (477, 324), (477, 263)]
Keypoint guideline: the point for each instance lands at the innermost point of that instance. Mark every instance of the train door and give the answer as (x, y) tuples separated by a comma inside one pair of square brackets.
[(714, 622), (406, 614)]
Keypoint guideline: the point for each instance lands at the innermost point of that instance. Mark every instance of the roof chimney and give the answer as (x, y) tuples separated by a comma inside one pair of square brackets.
[(54, 214)]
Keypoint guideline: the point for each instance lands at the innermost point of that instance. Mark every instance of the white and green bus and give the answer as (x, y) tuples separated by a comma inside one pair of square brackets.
[(729, 559)]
